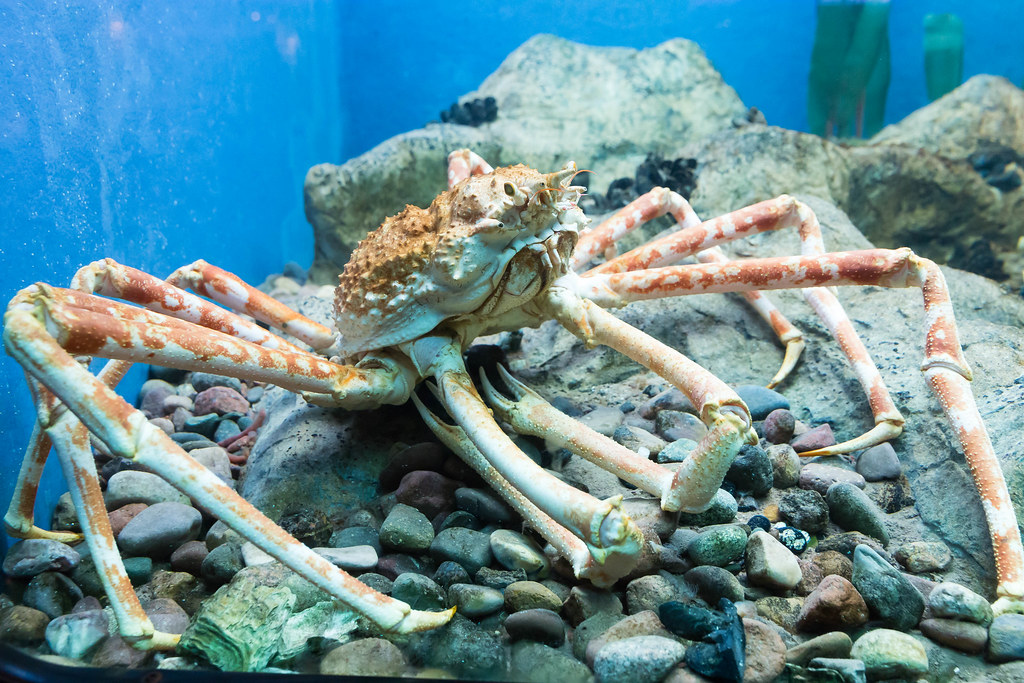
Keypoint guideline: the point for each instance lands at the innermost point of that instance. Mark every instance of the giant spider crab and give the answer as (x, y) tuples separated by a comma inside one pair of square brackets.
[(500, 249)]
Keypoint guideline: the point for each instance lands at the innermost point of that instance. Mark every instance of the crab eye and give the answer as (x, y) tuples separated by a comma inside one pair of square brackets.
[(510, 189)]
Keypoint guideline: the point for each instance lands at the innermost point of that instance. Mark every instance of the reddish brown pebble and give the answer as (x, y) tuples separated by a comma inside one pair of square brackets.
[(834, 604), (429, 492), (765, 653), (120, 517), (778, 426), (959, 635), (189, 556), (813, 439), (220, 400)]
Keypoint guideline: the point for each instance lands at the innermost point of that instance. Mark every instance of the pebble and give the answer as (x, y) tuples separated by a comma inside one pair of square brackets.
[(406, 529), (76, 635), (751, 470), (781, 611), (464, 649), (471, 549), (890, 654), (513, 550), (429, 492), (644, 623), (365, 658), (189, 556), (648, 592), (220, 400), (21, 625), (673, 425), (834, 604), (677, 451), (795, 539), (761, 401), (222, 563), (723, 657), (924, 556), (540, 625), (644, 659), (714, 583), (535, 662), (393, 566), (484, 506), (832, 562), (116, 652), (952, 601), (584, 603), (690, 621), (804, 509), (166, 615), (52, 593), (65, 516), (764, 652), (355, 558), (813, 439), (959, 635), (203, 424), (879, 463), (475, 601), (778, 426), (419, 591), (848, 670), (523, 595), (449, 573), (460, 518), (152, 394), (771, 564), (722, 510), (785, 466), (215, 459), (820, 477), (851, 509), (36, 555), (135, 486), (357, 535), (201, 381), (718, 545), (888, 594), (1006, 638), (831, 645), (159, 529), (759, 522), (604, 420), (226, 429)]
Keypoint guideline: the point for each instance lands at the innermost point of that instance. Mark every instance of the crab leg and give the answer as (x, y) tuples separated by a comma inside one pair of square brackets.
[(83, 325), (610, 535), (561, 539), (729, 425), (230, 290), (128, 434), (463, 163), (944, 364), (531, 414), (692, 238)]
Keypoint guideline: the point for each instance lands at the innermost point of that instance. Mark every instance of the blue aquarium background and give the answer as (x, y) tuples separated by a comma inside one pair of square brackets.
[(160, 133)]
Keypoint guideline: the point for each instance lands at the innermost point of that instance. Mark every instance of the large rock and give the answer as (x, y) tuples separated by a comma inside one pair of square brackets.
[(725, 336), (309, 458), (604, 107)]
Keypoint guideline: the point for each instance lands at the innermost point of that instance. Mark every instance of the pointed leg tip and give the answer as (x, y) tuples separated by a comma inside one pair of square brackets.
[(1008, 605), (417, 620)]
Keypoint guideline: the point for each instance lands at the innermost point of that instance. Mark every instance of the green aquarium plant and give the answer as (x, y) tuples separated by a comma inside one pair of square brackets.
[(849, 75), (943, 53)]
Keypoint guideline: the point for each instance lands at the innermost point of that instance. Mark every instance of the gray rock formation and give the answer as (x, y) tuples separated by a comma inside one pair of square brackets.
[(605, 108)]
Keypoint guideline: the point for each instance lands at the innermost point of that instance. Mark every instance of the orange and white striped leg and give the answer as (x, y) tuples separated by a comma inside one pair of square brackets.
[(128, 434), (463, 163), (944, 364), (693, 238), (611, 537), (727, 418), (574, 550)]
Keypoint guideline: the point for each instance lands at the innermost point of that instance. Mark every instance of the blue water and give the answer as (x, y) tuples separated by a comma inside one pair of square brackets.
[(159, 133)]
